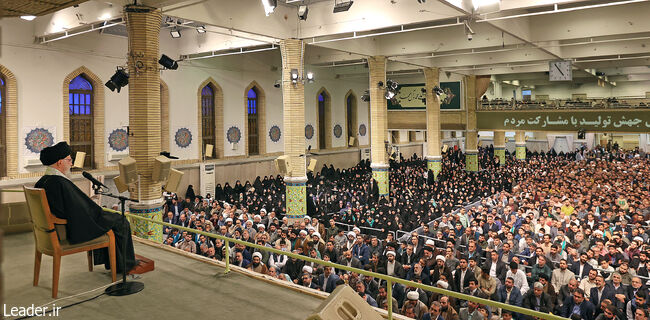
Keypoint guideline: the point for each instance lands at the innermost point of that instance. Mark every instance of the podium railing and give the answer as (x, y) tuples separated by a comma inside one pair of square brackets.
[(389, 280)]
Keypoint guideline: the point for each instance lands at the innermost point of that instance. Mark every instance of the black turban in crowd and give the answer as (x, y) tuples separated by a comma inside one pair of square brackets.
[(51, 155)]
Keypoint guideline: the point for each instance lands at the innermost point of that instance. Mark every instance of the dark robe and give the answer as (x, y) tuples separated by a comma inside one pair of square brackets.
[(86, 220)]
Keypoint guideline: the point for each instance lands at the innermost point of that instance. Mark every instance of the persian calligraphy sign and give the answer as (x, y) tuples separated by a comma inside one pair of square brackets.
[(622, 120)]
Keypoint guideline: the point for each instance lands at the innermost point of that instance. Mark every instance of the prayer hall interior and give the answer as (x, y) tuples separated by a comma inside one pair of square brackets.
[(439, 159)]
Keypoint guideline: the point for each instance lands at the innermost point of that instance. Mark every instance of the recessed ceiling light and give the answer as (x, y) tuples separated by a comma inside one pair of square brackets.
[(28, 18), (175, 33), (105, 16)]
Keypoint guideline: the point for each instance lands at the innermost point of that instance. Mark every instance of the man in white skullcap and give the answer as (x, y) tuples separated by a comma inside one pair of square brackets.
[(257, 265), (413, 301)]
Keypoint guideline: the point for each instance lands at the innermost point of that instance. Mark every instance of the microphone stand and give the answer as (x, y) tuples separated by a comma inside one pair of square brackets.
[(123, 288)]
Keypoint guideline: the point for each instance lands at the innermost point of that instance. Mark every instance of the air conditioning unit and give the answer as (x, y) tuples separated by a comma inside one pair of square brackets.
[(207, 178)]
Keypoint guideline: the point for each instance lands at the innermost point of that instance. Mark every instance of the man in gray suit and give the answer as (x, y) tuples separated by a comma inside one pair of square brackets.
[(471, 312)]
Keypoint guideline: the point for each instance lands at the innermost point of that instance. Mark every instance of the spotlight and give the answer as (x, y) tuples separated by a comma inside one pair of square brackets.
[(422, 1), (366, 96), (294, 76), (175, 33), (118, 80), (340, 6), (28, 18), (389, 94), (168, 62), (269, 6), (302, 12), (468, 31), (380, 84), (438, 91), (310, 77), (200, 29), (277, 84), (390, 84)]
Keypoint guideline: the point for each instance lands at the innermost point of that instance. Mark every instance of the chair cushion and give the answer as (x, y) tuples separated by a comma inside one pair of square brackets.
[(66, 245)]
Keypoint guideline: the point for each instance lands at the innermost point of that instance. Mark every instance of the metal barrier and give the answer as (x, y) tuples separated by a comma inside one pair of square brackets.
[(389, 280), (351, 226), (430, 223)]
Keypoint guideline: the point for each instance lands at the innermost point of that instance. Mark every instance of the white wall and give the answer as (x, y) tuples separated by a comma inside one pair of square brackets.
[(41, 69), (565, 90)]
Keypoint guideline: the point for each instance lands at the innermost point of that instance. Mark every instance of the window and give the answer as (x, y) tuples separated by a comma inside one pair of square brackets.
[(324, 120), (3, 125), (81, 118), (321, 121), (253, 127), (207, 117), (351, 116)]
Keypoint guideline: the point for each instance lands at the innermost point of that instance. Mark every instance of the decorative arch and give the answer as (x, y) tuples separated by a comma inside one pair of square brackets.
[(164, 116), (218, 117), (98, 113), (10, 105), (324, 118), (351, 118), (261, 117)]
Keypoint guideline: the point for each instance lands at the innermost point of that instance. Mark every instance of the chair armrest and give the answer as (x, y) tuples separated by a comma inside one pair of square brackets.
[(56, 220)]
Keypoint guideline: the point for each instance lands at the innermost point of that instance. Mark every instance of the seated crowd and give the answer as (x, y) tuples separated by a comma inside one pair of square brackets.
[(550, 234)]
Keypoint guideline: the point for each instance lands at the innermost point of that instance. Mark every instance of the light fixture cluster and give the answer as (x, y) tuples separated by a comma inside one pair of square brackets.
[(391, 89), (365, 97), (295, 77), (177, 24), (120, 79), (303, 9), (342, 5), (269, 6), (436, 90)]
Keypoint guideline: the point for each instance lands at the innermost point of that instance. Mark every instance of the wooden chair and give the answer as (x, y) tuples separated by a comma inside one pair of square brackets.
[(50, 238)]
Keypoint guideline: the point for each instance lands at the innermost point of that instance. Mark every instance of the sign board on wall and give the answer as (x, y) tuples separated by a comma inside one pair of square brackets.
[(600, 120), (410, 96)]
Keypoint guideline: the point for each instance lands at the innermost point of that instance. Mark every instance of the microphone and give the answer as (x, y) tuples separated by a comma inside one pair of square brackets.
[(92, 179)]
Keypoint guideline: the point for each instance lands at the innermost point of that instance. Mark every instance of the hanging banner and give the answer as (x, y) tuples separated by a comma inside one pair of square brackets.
[(597, 120), (410, 96)]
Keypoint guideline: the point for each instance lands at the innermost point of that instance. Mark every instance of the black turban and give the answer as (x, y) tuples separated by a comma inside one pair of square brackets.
[(51, 155)]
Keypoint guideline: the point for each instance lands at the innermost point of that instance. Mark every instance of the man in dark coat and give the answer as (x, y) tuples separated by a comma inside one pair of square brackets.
[(86, 220), (601, 292), (578, 305), (537, 299)]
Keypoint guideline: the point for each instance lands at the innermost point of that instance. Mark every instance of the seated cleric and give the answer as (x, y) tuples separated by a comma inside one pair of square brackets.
[(86, 220)]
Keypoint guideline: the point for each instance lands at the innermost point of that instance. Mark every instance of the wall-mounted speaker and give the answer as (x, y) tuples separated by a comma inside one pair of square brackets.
[(351, 141), (282, 164), (312, 165), (344, 304), (173, 180), (208, 150), (161, 166), (119, 184), (128, 170), (444, 148), (79, 159)]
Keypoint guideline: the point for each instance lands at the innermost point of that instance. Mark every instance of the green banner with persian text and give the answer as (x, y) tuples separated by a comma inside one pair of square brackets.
[(411, 96), (542, 120)]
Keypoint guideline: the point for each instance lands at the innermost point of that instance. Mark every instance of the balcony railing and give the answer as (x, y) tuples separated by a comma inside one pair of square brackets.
[(500, 104)]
